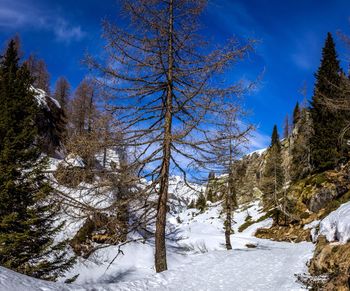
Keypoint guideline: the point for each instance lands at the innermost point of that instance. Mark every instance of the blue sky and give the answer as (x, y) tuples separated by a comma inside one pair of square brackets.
[(290, 34)]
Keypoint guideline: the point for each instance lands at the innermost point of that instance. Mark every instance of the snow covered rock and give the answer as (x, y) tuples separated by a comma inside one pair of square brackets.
[(42, 98), (258, 152), (50, 123), (74, 161), (336, 226)]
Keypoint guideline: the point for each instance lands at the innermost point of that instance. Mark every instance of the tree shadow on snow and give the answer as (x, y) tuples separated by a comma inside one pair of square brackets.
[(116, 277)]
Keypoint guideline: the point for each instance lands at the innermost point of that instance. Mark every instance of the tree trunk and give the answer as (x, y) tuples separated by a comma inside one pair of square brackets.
[(228, 224), (160, 248), (122, 214), (124, 190), (229, 193), (276, 204), (104, 157)]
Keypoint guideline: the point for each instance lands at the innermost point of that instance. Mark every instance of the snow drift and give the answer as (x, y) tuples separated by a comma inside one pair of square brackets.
[(336, 226)]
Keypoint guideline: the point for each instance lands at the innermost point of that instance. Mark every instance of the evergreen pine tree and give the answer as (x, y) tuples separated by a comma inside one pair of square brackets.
[(327, 124), (273, 176), (27, 209), (275, 140), (296, 114), (286, 127)]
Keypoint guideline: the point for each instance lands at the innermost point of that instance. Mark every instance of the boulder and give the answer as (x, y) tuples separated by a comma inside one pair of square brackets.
[(322, 197)]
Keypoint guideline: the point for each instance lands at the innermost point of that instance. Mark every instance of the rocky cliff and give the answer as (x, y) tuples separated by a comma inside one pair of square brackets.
[(249, 170)]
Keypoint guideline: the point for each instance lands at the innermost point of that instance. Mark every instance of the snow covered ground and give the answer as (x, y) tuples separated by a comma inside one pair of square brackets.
[(197, 260)]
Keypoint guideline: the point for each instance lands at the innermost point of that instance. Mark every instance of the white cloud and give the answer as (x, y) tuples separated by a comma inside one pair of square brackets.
[(11, 18), (66, 32), (259, 141), (20, 15)]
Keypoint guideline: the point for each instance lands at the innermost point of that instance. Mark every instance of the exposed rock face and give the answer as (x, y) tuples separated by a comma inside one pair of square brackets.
[(334, 261), (250, 169), (323, 191), (322, 197), (248, 176), (281, 233)]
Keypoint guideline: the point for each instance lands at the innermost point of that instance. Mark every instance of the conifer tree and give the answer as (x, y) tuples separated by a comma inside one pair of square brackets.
[(210, 196), (296, 114), (327, 124), (273, 176), (51, 119), (286, 127), (275, 140), (27, 209)]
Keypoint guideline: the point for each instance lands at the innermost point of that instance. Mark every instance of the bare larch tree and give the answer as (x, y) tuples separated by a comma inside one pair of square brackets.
[(62, 92), (228, 140), (40, 73), (165, 81)]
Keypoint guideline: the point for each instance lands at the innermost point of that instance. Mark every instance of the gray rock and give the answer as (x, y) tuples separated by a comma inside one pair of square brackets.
[(321, 199)]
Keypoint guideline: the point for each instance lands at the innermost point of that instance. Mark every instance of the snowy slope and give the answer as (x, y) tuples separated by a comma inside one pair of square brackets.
[(197, 260)]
